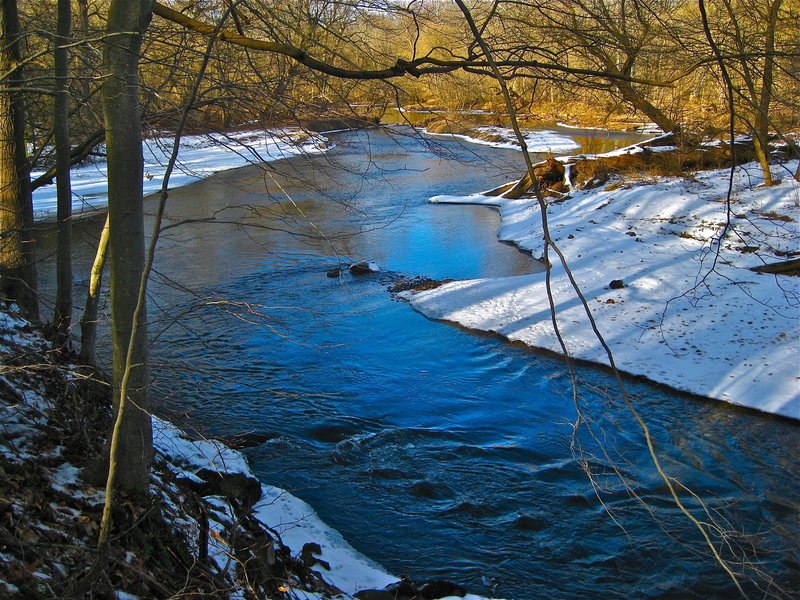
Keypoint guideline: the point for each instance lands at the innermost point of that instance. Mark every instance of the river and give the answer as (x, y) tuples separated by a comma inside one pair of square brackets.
[(438, 452)]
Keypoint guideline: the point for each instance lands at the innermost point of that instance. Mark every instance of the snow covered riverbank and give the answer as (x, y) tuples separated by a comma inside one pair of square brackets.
[(200, 156), (685, 317), (538, 141)]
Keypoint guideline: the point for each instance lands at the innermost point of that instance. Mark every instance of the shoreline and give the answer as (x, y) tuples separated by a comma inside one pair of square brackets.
[(512, 307), (603, 368), (200, 156)]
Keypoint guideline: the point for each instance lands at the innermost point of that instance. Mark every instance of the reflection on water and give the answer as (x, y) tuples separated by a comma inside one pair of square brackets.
[(438, 452)]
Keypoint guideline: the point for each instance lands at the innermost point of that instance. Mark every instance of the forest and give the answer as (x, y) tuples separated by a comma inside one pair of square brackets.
[(85, 82)]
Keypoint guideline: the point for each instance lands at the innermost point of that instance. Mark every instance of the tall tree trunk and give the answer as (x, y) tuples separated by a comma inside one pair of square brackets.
[(84, 74), (127, 20), (761, 147), (17, 265), (63, 309)]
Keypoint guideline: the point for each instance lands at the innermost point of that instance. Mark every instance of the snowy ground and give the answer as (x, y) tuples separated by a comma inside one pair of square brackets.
[(538, 141), (200, 156), (686, 318)]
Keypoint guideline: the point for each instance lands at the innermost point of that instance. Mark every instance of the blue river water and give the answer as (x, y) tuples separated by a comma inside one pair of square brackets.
[(439, 452)]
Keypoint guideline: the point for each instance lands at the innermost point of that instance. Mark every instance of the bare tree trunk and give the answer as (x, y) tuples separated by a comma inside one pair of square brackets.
[(640, 103), (62, 316), (17, 266), (84, 77), (88, 354), (761, 147), (127, 20), (761, 121)]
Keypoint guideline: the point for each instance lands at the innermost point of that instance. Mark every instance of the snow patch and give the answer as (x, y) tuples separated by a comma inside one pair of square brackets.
[(196, 454), (298, 524)]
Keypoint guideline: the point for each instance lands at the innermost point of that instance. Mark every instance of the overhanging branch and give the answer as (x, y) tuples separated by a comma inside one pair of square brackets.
[(425, 65)]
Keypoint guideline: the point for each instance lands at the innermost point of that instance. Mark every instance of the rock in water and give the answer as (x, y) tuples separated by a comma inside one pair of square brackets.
[(375, 595), (406, 589), (247, 440), (334, 272), (529, 523), (363, 268), (441, 589)]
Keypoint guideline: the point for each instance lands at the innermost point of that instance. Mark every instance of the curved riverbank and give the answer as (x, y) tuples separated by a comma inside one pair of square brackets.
[(680, 315), (200, 156), (627, 376)]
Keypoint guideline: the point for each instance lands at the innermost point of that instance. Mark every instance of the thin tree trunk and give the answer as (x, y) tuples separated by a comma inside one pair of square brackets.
[(130, 461), (761, 147), (761, 120), (137, 320), (17, 266), (63, 309), (88, 353), (84, 76)]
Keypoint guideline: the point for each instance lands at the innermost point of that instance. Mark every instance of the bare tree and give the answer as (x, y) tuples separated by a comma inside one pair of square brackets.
[(752, 48), (621, 39), (63, 309)]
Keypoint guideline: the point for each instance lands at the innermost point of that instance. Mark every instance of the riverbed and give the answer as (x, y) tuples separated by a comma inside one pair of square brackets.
[(436, 451)]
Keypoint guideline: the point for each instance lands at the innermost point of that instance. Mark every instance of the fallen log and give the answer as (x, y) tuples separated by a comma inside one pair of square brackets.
[(785, 267), (664, 159), (549, 174)]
